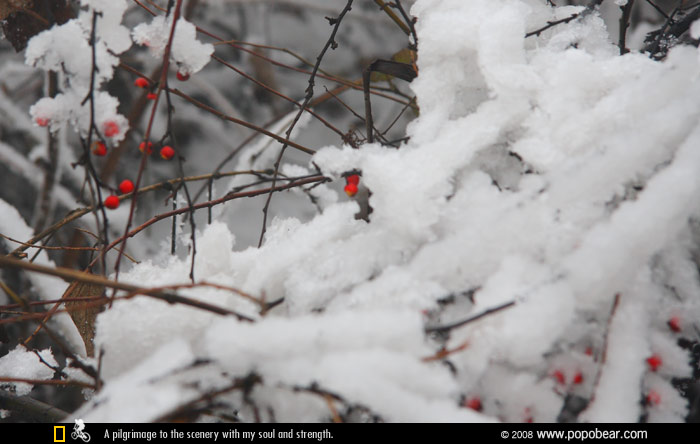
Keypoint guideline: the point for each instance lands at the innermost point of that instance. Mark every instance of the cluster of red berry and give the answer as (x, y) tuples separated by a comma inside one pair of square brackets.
[(166, 152), (352, 181), (654, 363), (112, 201), (143, 82)]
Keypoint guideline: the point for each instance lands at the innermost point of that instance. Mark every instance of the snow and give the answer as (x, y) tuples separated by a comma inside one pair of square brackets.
[(25, 364), (188, 53), (66, 49), (546, 171)]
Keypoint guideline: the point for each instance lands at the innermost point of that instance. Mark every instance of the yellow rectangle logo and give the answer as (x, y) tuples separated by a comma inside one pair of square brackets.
[(59, 433)]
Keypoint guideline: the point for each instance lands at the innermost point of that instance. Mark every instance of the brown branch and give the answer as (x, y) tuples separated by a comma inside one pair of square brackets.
[(624, 24), (29, 409), (279, 94), (442, 354), (80, 212), (384, 7), (604, 355), (146, 138), (330, 43), (211, 203), (448, 327), (81, 276), (249, 125), (46, 382), (550, 24)]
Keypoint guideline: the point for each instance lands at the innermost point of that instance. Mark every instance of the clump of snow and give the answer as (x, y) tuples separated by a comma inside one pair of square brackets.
[(66, 49), (24, 364), (189, 54), (149, 383)]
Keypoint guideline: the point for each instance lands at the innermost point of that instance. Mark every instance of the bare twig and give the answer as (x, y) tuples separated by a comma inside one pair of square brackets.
[(330, 43), (550, 24), (624, 24), (384, 7), (29, 409), (604, 353), (75, 275), (448, 327), (144, 156), (208, 204)]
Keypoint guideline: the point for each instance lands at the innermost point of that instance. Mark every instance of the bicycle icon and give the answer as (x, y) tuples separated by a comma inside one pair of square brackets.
[(78, 431)]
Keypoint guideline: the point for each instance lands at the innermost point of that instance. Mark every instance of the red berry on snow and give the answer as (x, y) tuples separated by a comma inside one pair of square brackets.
[(151, 96), (167, 152), (112, 202), (675, 324), (653, 397), (350, 189), (474, 403), (578, 378), (111, 128), (183, 77), (654, 362), (99, 149), (142, 147), (141, 82), (353, 178), (41, 121), (589, 351), (559, 376), (126, 186)]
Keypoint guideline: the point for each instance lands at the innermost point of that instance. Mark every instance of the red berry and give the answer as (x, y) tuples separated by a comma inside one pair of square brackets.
[(151, 96), (675, 324), (653, 397), (126, 186), (654, 362), (589, 351), (112, 202), (41, 121), (111, 128), (99, 149), (559, 376), (142, 147), (353, 179), (183, 77), (167, 152), (350, 189), (578, 378), (474, 403), (141, 82)]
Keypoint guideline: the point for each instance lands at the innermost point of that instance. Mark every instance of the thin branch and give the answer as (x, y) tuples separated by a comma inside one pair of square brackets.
[(81, 276), (30, 409), (448, 327), (46, 382), (279, 94), (144, 156), (211, 203), (384, 7), (624, 24), (330, 43), (80, 212), (604, 355), (411, 23), (659, 10), (550, 24)]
